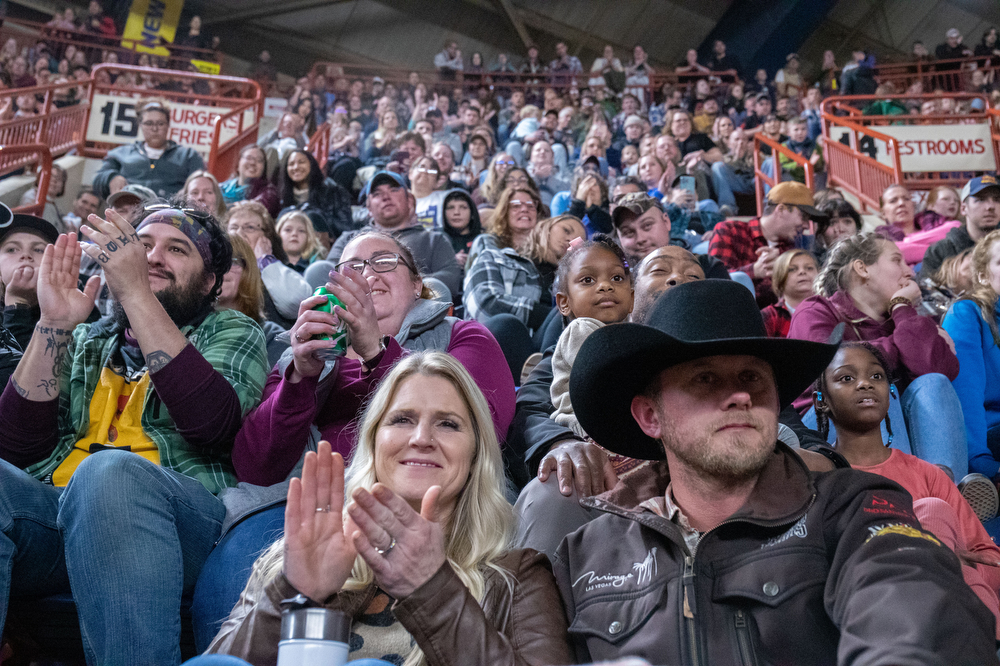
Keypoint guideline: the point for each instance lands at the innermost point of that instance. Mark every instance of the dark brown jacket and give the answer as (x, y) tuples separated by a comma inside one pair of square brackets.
[(526, 627), (817, 569)]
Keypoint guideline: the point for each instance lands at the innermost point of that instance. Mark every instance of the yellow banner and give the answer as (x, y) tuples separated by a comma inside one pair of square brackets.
[(206, 67), (152, 23)]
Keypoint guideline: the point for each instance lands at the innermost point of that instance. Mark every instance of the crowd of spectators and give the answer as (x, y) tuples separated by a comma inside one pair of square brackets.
[(333, 375)]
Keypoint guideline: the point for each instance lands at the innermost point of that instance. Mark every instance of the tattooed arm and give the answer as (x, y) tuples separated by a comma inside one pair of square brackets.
[(63, 306)]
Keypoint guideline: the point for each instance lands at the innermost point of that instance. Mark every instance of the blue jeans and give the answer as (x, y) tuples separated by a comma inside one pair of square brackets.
[(226, 660), (727, 182), (126, 537), (926, 421), (227, 571)]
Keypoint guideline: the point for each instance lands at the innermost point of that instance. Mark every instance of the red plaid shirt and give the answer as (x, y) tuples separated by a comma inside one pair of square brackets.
[(777, 319), (735, 244)]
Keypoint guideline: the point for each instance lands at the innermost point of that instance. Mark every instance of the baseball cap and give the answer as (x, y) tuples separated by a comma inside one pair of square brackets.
[(632, 120), (11, 222), (977, 185), (138, 193), (380, 177), (633, 205), (795, 194)]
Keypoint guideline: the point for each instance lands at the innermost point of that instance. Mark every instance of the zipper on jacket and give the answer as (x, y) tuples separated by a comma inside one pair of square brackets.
[(748, 655), (690, 610)]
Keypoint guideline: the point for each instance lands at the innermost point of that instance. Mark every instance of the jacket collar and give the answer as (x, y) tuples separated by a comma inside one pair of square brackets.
[(842, 301), (423, 316), (784, 491)]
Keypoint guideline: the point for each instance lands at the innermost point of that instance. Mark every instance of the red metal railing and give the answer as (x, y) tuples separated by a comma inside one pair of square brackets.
[(224, 157), (762, 178), (848, 167), (852, 108), (319, 144), (95, 46), (13, 158), (61, 128)]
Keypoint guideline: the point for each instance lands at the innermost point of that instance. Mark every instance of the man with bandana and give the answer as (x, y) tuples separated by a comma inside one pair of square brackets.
[(115, 436)]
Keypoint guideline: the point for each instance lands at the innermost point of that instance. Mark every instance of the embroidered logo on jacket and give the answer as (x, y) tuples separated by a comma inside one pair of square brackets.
[(797, 530), (881, 506), (642, 572), (902, 529)]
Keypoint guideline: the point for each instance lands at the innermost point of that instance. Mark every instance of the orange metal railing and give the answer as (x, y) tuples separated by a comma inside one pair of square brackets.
[(843, 111), (319, 144), (849, 167), (13, 158), (762, 178), (58, 125)]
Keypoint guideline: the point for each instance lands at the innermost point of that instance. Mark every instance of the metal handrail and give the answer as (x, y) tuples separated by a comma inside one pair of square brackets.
[(761, 178), (864, 170), (10, 153)]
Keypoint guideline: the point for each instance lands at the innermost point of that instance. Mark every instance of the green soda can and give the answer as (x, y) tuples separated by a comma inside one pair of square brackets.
[(341, 335)]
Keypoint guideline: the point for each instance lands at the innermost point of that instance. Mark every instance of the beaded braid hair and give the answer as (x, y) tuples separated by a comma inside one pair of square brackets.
[(823, 414)]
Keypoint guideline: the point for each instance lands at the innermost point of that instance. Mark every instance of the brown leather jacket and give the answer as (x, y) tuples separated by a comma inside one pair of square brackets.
[(527, 627)]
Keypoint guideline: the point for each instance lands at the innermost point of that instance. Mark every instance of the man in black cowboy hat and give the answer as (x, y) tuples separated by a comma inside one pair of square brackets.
[(728, 550)]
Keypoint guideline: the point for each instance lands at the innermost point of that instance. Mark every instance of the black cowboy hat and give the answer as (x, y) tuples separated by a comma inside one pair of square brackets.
[(690, 321), (11, 222)]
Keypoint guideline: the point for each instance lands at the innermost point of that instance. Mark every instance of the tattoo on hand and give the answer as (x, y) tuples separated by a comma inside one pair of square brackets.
[(49, 385), (124, 240), (157, 360), (111, 246), (21, 391), (103, 258)]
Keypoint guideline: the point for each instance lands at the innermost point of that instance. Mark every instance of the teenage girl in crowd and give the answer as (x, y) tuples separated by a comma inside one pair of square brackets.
[(792, 282), (853, 394)]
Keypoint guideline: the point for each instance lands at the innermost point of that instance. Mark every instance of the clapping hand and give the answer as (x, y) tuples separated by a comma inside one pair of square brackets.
[(404, 548), (319, 555), (62, 303)]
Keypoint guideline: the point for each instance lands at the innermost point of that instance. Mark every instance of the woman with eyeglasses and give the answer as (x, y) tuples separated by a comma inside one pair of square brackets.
[(243, 290), (155, 162), (423, 181), (284, 288), (310, 396), (250, 182), (502, 286)]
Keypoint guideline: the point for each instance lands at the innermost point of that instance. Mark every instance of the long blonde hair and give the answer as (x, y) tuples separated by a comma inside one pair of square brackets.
[(312, 247), (982, 293), (537, 246), (220, 202), (481, 526), (836, 273)]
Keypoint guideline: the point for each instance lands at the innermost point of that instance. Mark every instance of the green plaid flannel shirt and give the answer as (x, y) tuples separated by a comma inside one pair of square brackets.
[(230, 341)]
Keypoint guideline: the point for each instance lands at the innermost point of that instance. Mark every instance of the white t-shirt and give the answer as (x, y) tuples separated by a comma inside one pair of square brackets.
[(430, 210)]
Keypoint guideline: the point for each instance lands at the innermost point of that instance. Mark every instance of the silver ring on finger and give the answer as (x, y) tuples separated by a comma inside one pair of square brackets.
[(299, 338), (323, 509), (383, 551)]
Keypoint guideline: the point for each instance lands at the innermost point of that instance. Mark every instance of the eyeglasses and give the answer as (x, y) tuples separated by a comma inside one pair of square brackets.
[(432, 172), (380, 263), (246, 228), (505, 162), (152, 124), (516, 180), (196, 213), (517, 203)]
